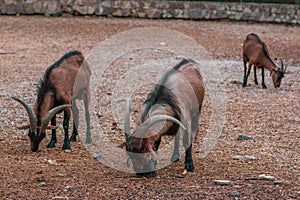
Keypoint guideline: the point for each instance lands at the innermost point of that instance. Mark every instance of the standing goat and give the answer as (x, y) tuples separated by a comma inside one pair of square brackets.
[(175, 101), (65, 81), (255, 53)]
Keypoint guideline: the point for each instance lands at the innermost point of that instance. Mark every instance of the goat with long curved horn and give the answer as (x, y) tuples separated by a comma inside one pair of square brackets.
[(176, 99), (255, 53), (36, 131), (65, 81)]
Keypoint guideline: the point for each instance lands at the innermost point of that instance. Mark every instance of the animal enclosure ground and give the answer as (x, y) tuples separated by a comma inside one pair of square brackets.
[(28, 45)]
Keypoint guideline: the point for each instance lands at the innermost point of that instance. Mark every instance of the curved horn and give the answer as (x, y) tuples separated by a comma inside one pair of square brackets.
[(127, 118), (50, 114), (154, 119), (281, 65), (283, 69), (32, 117)]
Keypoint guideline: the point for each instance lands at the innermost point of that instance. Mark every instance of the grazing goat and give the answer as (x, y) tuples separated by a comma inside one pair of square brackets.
[(255, 53), (175, 101), (65, 81)]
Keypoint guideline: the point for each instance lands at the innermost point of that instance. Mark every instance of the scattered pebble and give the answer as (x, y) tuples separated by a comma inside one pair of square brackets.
[(51, 162), (243, 137), (234, 193), (278, 182), (67, 188), (266, 177), (222, 182), (42, 184), (67, 150), (238, 157), (97, 155), (60, 197), (250, 157)]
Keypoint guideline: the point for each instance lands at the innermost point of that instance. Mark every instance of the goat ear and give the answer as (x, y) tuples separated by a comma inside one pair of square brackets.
[(122, 145)]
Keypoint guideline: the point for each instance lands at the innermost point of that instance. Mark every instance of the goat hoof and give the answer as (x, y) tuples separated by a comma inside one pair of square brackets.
[(189, 166), (88, 140), (175, 158), (51, 144), (73, 138), (146, 174), (264, 87), (66, 146)]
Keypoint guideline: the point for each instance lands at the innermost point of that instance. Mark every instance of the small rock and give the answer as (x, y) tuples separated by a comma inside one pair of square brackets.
[(68, 151), (222, 182), (234, 193), (266, 177), (243, 137), (250, 157), (278, 182), (68, 187), (237, 157), (42, 184), (51, 162), (97, 155)]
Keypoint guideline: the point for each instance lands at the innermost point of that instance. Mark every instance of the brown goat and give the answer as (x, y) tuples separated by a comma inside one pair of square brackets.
[(175, 101), (255, 53), (65, 81)]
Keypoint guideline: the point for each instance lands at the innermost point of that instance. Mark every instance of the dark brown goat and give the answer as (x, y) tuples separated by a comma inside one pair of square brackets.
[(175, 101), (65, 81), (255, 53)]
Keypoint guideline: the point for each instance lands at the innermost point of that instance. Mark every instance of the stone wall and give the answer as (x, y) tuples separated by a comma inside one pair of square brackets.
[(280, 13)]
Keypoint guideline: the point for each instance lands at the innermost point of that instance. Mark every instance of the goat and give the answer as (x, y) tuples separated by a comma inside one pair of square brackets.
[(174, 102), (65, 81), (255, 53)]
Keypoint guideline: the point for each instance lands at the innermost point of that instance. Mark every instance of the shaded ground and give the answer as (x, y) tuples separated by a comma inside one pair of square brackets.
[(270, 116)]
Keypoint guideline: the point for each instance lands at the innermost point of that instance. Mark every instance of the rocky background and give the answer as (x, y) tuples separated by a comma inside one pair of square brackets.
[(278, 13)]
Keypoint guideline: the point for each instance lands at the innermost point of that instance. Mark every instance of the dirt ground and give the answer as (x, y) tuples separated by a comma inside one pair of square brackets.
[(28, 45)]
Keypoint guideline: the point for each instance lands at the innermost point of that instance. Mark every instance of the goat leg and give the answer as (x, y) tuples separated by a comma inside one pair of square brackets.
[(75, 121), (88, 138), (263, 79), (255, 77), (53, 136), (189, 165), (66, 144), (245, 74), (175, 155)]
